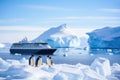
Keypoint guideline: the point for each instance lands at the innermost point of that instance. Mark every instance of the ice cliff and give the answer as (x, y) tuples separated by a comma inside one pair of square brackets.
[(108, 37)]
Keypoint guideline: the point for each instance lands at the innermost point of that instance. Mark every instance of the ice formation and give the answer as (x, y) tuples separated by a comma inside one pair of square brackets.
[(59, 37), (105, 38), (101, 66), (2, 45), (19, 69)]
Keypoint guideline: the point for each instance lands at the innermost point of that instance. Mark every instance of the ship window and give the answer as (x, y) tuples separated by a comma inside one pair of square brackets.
[(40, 45)]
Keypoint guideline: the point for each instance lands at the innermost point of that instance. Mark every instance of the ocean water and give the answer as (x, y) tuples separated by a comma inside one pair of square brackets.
[(71, 56)]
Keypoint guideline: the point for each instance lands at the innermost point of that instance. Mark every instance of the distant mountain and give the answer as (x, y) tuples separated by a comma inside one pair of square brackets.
[(107, 37), (59, 37)]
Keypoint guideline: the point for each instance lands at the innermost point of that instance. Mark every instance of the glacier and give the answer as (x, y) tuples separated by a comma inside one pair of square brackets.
[(107, 37), (60, 36)]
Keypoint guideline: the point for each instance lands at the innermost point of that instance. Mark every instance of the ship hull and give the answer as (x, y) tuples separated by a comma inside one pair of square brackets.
[(33, 51)]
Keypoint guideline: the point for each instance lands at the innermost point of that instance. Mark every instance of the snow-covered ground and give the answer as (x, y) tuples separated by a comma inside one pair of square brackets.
[(100, 69)]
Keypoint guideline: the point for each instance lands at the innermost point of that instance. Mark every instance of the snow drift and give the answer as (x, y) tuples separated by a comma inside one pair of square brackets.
[(59, 37), (105, 38)]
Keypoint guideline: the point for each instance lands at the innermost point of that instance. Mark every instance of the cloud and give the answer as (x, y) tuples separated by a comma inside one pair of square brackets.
[(9, 34), (11, 20), (44, 7), (86, 18), (111, 10), (21, 28)]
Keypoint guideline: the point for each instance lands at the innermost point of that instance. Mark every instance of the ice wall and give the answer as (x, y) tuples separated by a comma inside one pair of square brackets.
[(107, 37)]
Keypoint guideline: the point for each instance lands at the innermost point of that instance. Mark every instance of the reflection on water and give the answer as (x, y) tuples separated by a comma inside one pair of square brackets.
[(73, 56)]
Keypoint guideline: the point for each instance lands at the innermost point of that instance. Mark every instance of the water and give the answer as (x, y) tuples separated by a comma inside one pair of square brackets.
[(72, 56)]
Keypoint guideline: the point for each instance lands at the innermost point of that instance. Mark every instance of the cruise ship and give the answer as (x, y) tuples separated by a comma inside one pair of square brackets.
[(32, 48)]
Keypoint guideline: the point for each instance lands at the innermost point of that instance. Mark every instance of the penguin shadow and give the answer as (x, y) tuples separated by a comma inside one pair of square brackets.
[(39, 62)]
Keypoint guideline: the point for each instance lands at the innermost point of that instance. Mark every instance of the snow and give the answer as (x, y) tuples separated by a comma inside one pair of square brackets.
[(107, 37), (19, 69), (59, 36), (4, 64)]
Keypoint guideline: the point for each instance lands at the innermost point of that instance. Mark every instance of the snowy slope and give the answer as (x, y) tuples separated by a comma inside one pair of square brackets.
[(59, 37), (105, 38)]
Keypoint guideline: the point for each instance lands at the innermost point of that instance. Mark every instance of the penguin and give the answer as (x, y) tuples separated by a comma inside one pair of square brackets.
[(49, 61), (39, 61), (32, 60)]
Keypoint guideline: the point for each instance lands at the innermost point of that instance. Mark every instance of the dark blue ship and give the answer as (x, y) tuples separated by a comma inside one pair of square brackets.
[(32, 48)]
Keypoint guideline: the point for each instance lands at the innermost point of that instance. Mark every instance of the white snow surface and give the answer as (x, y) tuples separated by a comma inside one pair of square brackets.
[(60, 36), (108, 37), (20, 70)]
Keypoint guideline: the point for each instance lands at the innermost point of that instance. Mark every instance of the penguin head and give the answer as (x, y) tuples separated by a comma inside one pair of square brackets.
[(39, 56), (32, 55), (48, 56)]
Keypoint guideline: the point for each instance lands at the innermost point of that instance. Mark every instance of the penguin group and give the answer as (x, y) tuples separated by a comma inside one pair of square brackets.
[(38, 62)]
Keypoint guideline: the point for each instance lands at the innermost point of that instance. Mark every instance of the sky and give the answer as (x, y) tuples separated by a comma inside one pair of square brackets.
[(20, 18)]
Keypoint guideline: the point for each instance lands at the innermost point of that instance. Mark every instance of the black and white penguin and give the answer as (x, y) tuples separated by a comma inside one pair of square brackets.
[(32, 60), (49, 61), (39, 61)]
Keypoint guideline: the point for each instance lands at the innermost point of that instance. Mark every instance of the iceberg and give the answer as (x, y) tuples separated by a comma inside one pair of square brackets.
[(2, 45), (59, 36), (107, 37)]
